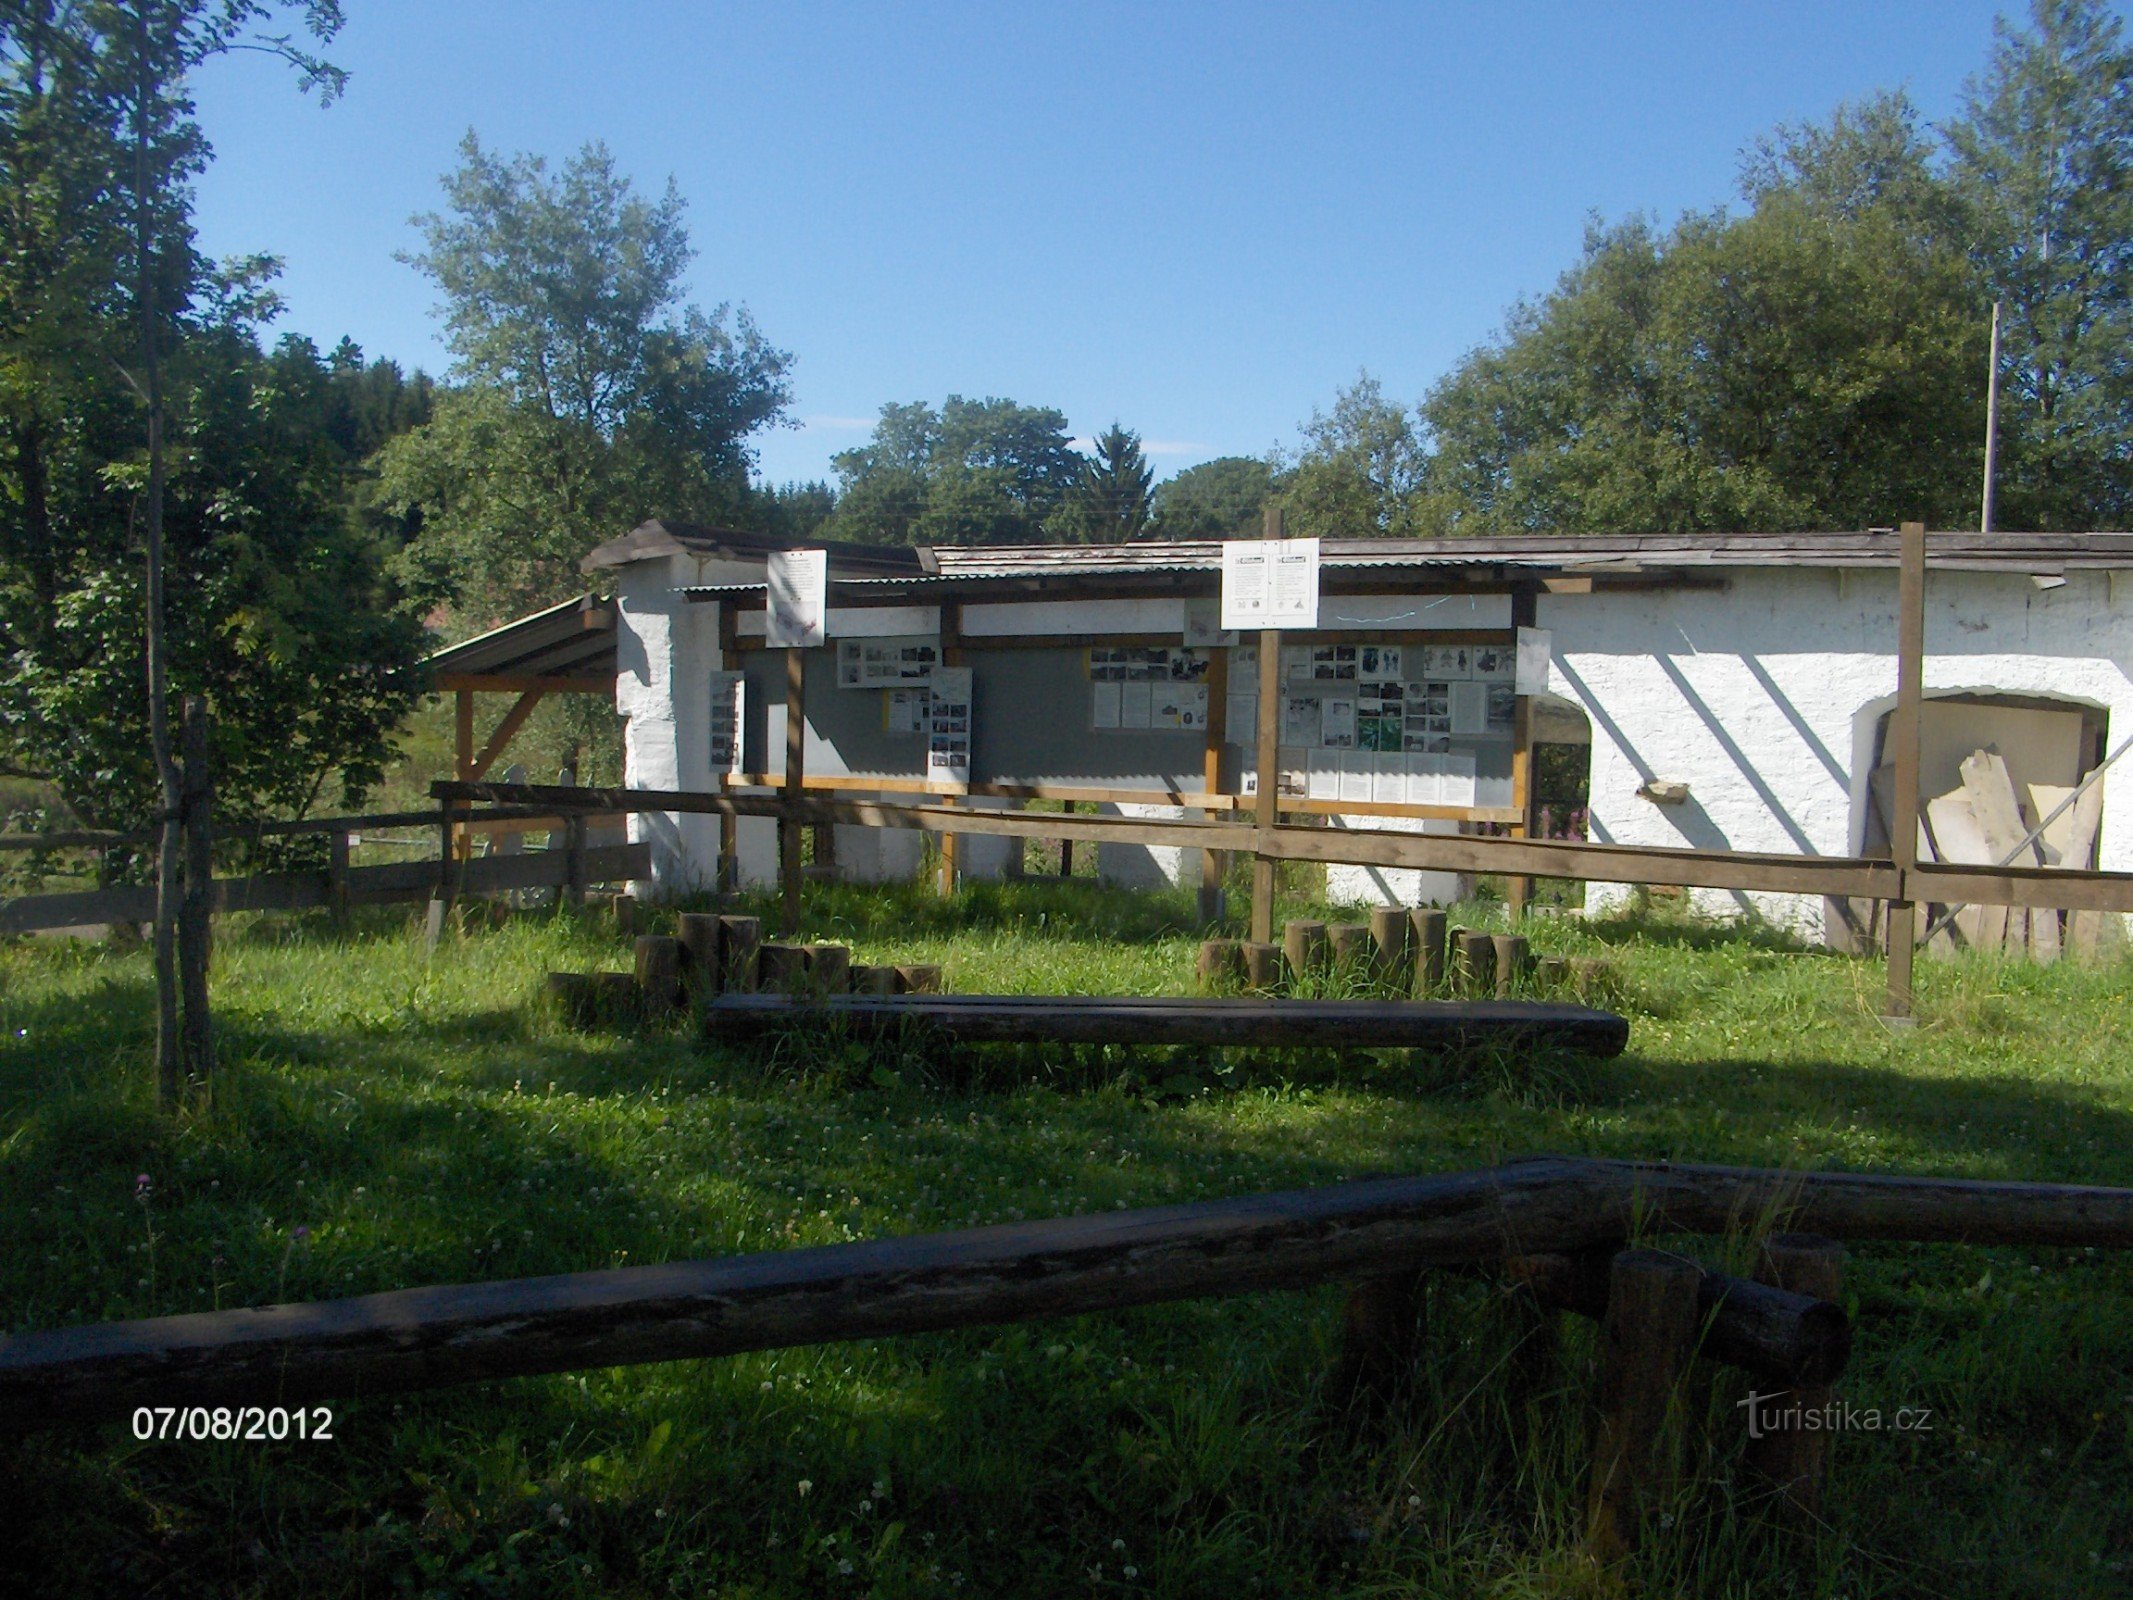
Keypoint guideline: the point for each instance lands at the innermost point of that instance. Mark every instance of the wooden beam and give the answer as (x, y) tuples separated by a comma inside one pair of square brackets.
[(789, 821), (1904, 736), (520, 682), (1525, 613), (952, 656), (428, 1337), (729, 841), (514, 719), (1212, 862)]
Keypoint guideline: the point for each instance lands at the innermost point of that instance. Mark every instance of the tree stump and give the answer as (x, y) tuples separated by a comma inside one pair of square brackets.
[(919, 979), (698, 932), (740, 940), (1262, 966), (1303, 945), (1221, 966), (874, 980), (595, 999), (1551, 974), (659, 974), (1795, 1459), (829, 968), (1392, 937), (781, 968), (1511, 958), (1473, 962), (1349, 948), (624, 907), (1646, 1339), (1429, 950)]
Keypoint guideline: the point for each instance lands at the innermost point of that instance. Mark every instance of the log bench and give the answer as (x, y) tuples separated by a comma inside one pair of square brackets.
[(1122, 1019)]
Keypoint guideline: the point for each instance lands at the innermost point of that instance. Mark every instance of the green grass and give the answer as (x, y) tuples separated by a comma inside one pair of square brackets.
[(425, 1118)]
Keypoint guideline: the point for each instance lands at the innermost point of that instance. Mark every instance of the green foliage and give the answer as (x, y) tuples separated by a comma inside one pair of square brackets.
[(277, 606), (1112, 495), (2043, 167), (587, 397), (974, 472), (1358, 472), (1219, 499)]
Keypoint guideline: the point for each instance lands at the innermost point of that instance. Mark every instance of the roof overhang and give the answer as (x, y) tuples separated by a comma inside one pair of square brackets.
[(566, 649)]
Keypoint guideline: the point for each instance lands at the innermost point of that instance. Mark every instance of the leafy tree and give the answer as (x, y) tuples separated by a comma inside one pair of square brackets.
[(586, 396), (974, 472), (1359, 471), (793, 512), (1220, 499), (1112, 495), (2042, 161)]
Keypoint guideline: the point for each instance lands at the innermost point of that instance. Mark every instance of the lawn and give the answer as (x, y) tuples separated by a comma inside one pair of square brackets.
[(388, 1116)]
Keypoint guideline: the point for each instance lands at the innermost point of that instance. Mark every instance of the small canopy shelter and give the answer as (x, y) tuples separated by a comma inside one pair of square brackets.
[(566, 649)]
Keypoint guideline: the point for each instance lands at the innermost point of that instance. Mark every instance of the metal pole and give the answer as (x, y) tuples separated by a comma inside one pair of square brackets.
[(1992, 423)]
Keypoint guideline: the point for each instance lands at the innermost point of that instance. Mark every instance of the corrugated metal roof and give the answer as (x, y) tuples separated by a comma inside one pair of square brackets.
[(575, 639)]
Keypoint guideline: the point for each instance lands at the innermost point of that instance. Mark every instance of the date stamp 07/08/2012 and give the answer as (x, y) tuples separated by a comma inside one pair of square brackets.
[(243, 1424)]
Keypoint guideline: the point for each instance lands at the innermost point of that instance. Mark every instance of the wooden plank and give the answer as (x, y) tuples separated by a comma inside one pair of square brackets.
[(1992, 798), (428, 1337), (1958, 838), (1361, 1024), (1903, 741), (789, 822), (521, 682), (505, 731), (1266, 762)]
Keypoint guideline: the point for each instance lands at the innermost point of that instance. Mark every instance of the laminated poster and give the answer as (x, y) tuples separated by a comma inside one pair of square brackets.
[(948, 738), (1103, 704), (729, 697), (798, 603)]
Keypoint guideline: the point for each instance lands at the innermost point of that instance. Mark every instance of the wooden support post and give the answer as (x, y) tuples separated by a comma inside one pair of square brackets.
[(1646, 1339), (1212, 862), (458, 841), (337, 875), (1903, 737), (740, 941), (505, 731), (1794, 1457), (729, 836), (1381, 1336), (952, 656), (1267, 761), (1066, 846), (1518, 889), (1303, 942), (790, 794), (574, 857), (1429, 926), (196, 906)]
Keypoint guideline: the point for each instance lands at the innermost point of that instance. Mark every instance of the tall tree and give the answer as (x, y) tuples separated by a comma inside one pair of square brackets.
[(2043, 164), (1219, 499), (586, 395), (1112, 494), (974, 472), (1359, 470)]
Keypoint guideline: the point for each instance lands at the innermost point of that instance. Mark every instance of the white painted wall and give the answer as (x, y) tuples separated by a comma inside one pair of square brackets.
[(1395, 886), (1764, 698)]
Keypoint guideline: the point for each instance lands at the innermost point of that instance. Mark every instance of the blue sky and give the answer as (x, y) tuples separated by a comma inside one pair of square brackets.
[(1201, 220)]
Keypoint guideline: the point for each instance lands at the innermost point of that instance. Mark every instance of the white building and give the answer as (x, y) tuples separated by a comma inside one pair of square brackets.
[(1734, 690)]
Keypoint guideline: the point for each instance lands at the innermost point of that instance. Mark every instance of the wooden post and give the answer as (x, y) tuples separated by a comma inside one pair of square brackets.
[(829, 968), (1262, 966), (574, 857), (952, 656), (658, 974), (1349, 945), (1212, 861), (1267, 764), (790, 794), (1381, 1335), (1392, 936), (922, 978), (1903, 736), (1429, 925), (782, 968), (1303, 942), (462, 760), (1518, 889), (729, 837), (1473, 962), (1793, 1457), (1511, 959), (196, 908), (698, 932), (1066, 846), (337, 875), (1646, 1339), (740, 942), (1221, 966)]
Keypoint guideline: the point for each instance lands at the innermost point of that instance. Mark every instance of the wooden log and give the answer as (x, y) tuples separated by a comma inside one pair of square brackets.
[(422, 1338), (1646, 1338), (874, 980), (1392, 939), (1789, 1454), (1429, 926), (781, 968), (624, 907), (1349, 948), (1381, 1336), (1511, 957), (595, 999), (924, 978), (1551, 974), (1303, 946), (659, 973), (1473, 962), (698, 932), (1266, 1024), (1769, 1332), (1262, 966), (829, 969), (1220, 969), (740, 941)]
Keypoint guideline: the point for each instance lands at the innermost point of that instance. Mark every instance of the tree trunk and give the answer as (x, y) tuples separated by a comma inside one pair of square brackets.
[(195, 919)]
